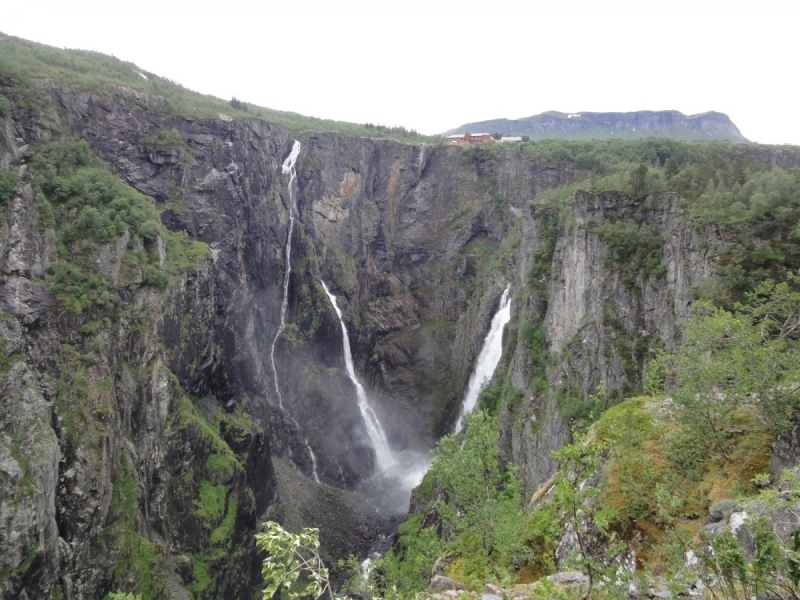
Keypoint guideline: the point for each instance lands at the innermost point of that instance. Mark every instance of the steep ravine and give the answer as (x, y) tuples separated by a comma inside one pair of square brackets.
[(164, 467)]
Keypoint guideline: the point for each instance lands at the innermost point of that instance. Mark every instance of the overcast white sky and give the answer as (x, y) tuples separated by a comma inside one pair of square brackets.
[(433, 65)]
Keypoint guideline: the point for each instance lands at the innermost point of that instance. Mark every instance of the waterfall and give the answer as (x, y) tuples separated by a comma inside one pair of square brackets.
[(488, 358), (313, 459), (288, 168), (375, 431)]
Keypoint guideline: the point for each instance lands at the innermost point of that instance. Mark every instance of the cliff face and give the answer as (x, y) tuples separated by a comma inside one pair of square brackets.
[(126, 458), (614, 125), (416, 241), (601, 315), (139, 439)]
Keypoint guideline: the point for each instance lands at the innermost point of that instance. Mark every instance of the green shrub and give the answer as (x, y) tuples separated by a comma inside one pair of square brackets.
[(5, 107), (8, 181), (163, 138), (75, 183), (635, 248), (79, 290), (155, 277)]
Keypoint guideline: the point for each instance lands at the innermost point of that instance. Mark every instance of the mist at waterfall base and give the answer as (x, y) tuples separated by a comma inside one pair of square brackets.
[(390, 490), (396, 474)]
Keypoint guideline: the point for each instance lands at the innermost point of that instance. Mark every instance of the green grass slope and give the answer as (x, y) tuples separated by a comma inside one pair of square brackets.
[(26, 63)]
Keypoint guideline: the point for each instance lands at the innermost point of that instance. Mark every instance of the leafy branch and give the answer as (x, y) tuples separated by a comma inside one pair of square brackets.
[(293, 563)]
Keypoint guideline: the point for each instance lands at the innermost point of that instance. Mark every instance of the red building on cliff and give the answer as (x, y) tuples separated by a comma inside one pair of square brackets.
[(469, 138)]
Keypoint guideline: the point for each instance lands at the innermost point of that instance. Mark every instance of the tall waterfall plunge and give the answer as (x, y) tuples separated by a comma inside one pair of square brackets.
[(383, 455), (288, 169), (488, 358)]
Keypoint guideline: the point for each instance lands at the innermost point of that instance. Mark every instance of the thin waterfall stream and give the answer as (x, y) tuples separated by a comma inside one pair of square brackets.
[(288, 169)]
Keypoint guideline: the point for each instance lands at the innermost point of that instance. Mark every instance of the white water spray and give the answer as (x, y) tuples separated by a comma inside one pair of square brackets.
[(488, 358), (288, 168), (377, 435)]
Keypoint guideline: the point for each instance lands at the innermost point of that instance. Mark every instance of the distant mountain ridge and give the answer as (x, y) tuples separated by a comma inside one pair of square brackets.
[(710, 125)]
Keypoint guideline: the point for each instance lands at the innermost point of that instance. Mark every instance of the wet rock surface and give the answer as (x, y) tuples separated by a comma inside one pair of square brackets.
[(347, 523)]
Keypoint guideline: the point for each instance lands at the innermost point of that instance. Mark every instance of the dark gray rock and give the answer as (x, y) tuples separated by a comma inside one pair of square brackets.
[(721, 511), (440, 583)]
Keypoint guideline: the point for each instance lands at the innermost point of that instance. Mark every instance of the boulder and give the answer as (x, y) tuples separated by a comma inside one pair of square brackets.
[(569, 578), (440, 583), (721, 511)]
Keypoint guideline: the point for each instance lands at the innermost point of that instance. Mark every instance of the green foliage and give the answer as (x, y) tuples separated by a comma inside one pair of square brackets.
[(480, 502), (639, 183), (140, 560), (90, 327), (7, 361), (90, 202), (732, 364), (221, 535), (497, 391), (221, 461), (604, 157), (635, 248), (182, 254), (293, 565), (27, 63), (163, 138), (123, 596), (5, 107), (770, 567), (533, 336), (210, 503), (8, 181), (155, 277), (581, 510), (720, 183), (542, 533), (774, 192), (78, 289), (406, 570), (542, 256), (476, 500), (577, 408), (88, 205)]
